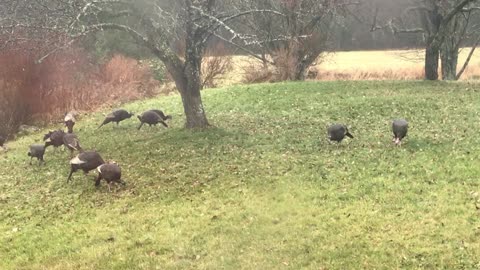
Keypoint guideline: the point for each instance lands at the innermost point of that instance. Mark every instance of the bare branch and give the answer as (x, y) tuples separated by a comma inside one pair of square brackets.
[(456, 10), (470, 9), (469, 57), (407, 31)]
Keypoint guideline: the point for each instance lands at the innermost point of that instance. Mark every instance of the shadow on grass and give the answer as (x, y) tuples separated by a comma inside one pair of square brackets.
[(185, 138), (415, 144)]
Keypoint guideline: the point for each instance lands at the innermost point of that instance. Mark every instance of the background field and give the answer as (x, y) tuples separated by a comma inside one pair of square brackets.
[(263, 189), (367, 65)]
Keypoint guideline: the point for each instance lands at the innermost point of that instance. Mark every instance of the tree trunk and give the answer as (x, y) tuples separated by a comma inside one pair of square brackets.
[(304, 57), (300, 71), (187, 73), (431, 63), (449, 58), (192, 99), (454, 30), (193, 107), (187, 81), (469, 57)]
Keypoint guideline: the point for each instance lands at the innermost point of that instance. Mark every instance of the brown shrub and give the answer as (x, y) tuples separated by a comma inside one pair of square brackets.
[(127, 79), (65, 81), (285, 64), (215, 64), (254, 72)]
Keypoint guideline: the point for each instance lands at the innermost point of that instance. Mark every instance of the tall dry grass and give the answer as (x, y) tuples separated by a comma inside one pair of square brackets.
[(385, 65), (413, 73), (354, 65)]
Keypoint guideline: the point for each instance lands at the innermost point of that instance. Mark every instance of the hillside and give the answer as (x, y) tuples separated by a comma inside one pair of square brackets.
[(263, 189)]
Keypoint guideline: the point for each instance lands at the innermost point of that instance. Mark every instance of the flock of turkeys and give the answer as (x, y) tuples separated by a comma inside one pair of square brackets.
[(87, 161), (111, 172)]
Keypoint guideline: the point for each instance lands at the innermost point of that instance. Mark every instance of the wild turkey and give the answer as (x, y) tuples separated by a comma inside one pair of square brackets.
[(150, 118), (85, 161), (54, 138), (70, 141), (36, 151), (400, 129), (2, 142), (111, 172), (69, 121), (338, 132), (162, 115), (116, 116)]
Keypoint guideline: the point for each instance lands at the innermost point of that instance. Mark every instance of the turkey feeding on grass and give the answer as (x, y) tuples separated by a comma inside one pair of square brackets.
[(400, 129), (54, 138), (70, 141), (338, 132), (85, 161), (36, 151), (111, 172)]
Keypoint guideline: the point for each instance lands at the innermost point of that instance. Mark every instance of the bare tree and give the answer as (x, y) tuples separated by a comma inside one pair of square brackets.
[(292, 39), (443, 24), (156, 24)]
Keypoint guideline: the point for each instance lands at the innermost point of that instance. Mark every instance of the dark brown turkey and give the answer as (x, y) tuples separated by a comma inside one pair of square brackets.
[(400, 129), (54, 138), (85, 161), (338, 132), (116, 116), (69, 121), (36, 151), (150, 118), (111, 172), (71, 141)]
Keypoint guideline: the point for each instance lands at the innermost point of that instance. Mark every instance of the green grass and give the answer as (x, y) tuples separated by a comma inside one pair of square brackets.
[(263, 189)]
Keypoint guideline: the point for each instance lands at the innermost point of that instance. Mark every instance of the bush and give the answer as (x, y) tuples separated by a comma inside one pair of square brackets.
[(254, 72), (67, 80), (285, 64), (217, 61), (158, 70), (215, 64)]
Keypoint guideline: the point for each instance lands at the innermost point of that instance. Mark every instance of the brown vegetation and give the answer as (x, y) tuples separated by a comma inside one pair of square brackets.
[(67, 80), (371, 74), (215, 64), (356, 65), (286, 63), (253, 72)]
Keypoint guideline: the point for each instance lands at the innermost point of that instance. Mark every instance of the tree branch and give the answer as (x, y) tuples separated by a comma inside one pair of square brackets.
[(469, 57), (456, 10)]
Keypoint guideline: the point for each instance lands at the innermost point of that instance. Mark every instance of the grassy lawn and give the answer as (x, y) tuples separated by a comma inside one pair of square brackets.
[(264, 189)]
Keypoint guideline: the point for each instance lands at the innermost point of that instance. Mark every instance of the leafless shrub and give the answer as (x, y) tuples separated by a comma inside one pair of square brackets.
[(312, 72), (43, 92), (12, 111), (285, 63), (253, 72), (127, 79), (215, 64)]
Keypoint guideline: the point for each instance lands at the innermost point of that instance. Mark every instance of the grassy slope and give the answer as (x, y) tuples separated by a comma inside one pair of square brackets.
[(263, 190)]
